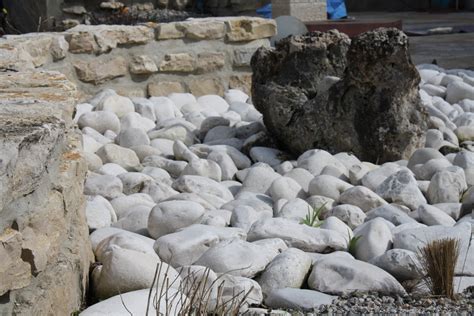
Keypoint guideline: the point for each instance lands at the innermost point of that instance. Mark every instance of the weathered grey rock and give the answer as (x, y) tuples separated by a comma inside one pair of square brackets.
[(165, 146), (374, 239), (244, 216), (93, 161), (259, 179), (458, 90), (431, 216), (402, 264), (301, 122), (111, 169), (168, 217), (295, 209), (298, 299), (335, 276), (100, 121), (225, 162), (125, 270), (352, 215), (392, 213), (174, 168), (287, 270), (270, 156), (144, 151), (285, 188), (124, 204), (198, 184), (374, 178), (107, 186), (82, 108), (204, 168), (134, 182), (132, 137), (134, 220), (415, 238), (159, 191), (134, 302), (427, 170), (362, 197), (452, 209), (315, 160), (302, 176), (423, 155), (447, 186), (297, 235), (464, 159), (328, 186), (117, 104), (236, 257), (98, 137), (124, 240), (402, 188), (123, 157), (99, 212), (186, 246), (276, 245), (334, 223)]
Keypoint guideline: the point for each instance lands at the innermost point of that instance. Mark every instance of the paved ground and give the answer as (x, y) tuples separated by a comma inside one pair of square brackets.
[(449, 51)]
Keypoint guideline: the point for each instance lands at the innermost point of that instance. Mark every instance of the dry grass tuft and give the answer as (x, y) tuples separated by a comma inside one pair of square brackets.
[(438, 261), (197, 295)]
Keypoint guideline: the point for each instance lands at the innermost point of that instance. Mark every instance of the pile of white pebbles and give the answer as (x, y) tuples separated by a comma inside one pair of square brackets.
[(190, 183)]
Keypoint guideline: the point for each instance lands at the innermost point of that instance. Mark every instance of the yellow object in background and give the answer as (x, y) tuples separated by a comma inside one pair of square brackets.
[(4, 11)]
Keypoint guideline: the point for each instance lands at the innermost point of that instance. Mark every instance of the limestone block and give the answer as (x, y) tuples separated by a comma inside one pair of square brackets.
[(14, 272), (37, 46), (203, 29), (103, 38), (59, 48), (164, 88), (20, 52), (122, 34), (305, 10), (199, 87), (246, 28), (242, 56), (209, 62), (101, 70), (13, 58), (181, 62), (242, 82), (165, 31), (142, 65), (81, 42), (111, 5)]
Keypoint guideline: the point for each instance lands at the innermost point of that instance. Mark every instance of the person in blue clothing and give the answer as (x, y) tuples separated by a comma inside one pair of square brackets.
[(336, 9)]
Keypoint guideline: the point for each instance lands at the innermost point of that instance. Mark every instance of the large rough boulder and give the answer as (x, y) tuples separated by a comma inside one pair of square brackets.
[(319, 90)]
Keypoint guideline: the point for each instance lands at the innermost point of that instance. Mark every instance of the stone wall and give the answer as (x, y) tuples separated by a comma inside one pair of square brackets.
[(201, 56), (44, 246)]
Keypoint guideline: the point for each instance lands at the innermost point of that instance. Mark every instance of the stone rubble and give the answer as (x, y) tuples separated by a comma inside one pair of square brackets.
[(169, 182)]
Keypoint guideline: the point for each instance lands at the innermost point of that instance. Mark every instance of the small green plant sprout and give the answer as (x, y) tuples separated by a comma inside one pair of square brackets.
[(352, 244), (312, 218)]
